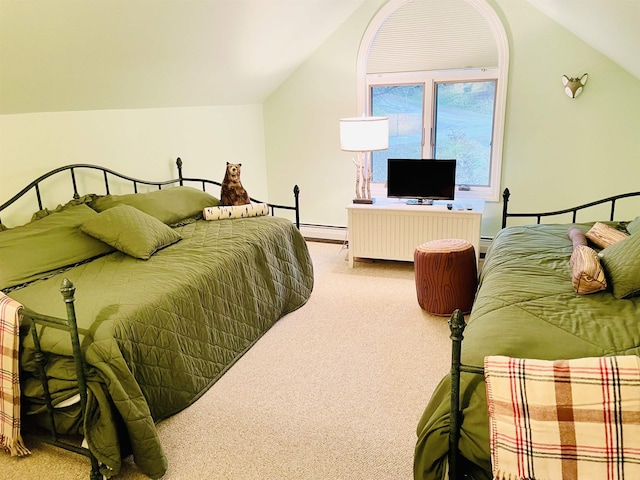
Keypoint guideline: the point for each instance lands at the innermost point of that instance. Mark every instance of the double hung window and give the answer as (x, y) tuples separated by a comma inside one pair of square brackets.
[(437, 115)]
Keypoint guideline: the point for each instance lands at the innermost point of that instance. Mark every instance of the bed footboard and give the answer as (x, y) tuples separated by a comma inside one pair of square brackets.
[(456, 326), (68, 291)]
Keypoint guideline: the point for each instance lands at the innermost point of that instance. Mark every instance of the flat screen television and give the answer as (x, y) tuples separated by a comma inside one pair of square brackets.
[(421, 181)]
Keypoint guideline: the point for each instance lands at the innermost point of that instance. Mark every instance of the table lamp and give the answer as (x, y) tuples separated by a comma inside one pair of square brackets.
[(364, 135)]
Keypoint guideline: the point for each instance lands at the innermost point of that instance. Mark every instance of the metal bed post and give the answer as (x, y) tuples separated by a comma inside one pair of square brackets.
[(505, 197), (296, 195), (456, 326), (179, 165), (68, 291)]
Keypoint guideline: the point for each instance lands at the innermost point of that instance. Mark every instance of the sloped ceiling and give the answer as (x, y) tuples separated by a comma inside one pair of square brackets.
[(610, 26), (58, 55)]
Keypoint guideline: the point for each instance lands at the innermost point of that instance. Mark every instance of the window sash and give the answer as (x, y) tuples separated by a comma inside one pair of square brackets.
[(456, 135), (430, 80)]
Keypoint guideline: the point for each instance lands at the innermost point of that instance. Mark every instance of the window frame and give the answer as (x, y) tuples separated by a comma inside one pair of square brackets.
[(430, 80), (501, 72)]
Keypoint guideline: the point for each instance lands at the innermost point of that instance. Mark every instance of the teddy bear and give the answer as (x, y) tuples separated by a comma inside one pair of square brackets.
[(231, 191)]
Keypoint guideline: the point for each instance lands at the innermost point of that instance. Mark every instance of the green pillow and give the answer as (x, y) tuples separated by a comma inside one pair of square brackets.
[(131, 231), (634, 226), (29, 251), (170, 206), (621, 263), (71, 203)]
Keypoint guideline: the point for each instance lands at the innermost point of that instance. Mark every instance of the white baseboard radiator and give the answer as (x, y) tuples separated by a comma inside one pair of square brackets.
[(338, 234), (326, 233)]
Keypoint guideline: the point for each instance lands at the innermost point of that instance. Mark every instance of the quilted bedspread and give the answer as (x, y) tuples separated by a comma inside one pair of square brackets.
[(525, 307), (158, 333)]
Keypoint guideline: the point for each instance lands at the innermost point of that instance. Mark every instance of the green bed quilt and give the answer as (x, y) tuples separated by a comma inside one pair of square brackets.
[(158, 333), (525, 307)]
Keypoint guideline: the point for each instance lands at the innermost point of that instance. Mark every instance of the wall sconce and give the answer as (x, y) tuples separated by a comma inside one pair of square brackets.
[(574, 86), (363, 135)]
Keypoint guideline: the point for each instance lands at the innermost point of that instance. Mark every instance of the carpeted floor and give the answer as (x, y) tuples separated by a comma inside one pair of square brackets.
[(332, 391)]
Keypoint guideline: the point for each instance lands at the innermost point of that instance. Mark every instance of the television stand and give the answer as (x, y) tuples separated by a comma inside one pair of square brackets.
[(391, 230), (419, 201)]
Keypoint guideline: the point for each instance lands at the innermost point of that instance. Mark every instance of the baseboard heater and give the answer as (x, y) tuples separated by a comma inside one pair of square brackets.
[(325, 233), (333, 233)]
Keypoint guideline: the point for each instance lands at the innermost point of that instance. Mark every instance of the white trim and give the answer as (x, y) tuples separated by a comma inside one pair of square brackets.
[(502, 43), (324, 232)]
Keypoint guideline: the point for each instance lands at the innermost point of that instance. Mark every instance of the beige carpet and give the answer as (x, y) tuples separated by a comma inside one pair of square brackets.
[(332, 391)]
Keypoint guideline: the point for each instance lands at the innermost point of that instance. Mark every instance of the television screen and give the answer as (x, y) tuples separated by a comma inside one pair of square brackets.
[(422, 180)]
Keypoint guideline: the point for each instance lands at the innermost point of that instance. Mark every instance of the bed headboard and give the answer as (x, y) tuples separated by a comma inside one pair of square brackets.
[(108, 174), (573, 210)]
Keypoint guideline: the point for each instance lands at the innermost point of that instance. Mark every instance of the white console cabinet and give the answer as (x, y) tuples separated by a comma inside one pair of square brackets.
[(391, 230)]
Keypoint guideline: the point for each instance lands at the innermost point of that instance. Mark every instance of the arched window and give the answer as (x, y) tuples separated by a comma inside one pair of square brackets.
[(438, 69)]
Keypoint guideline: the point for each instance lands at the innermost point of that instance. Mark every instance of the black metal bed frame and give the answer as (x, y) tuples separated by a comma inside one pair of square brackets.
[(67, 290), (457, 325), (181, 180), (573, 210)]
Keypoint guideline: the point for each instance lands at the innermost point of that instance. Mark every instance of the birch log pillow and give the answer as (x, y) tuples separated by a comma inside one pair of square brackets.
[(235, 211), (587, 275)]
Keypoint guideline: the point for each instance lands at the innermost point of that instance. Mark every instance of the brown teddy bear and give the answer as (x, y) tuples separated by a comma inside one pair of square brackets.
[(232, 192)]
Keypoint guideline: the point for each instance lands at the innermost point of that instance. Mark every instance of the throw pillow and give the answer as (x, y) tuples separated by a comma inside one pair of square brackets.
[(622, 266), (131, 231), (170, 205), (32, 250), (577, 236), (604, 235), (85, 199), (235, 211), (633, 227)]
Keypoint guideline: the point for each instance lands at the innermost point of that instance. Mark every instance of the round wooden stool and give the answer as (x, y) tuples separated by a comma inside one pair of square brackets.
[(446, 276)]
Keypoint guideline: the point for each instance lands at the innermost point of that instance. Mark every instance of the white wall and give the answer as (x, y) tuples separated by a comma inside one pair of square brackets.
[(301, 125), (141, 143)]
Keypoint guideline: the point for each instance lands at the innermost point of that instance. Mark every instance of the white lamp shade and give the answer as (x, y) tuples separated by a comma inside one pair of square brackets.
[(364, 134)]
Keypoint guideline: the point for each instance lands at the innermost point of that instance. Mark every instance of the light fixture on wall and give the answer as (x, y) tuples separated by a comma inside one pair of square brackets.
[(573, 86), (364, 135)]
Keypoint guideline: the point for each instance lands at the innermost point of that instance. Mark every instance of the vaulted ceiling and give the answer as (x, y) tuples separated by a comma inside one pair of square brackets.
[(609, 26), (95, 54), (60, 55)]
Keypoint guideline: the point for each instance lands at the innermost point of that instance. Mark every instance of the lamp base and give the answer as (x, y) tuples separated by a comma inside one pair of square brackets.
[(365, 201)]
